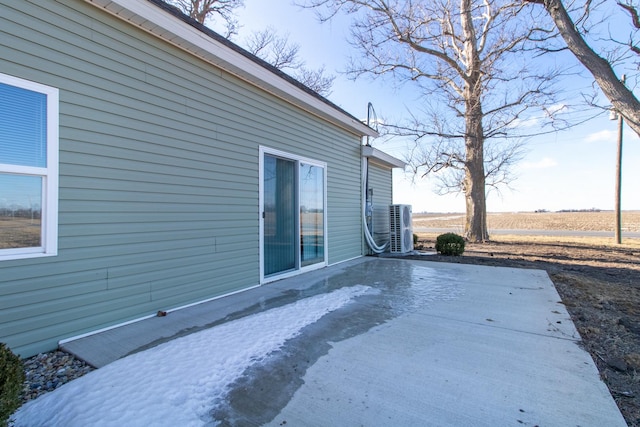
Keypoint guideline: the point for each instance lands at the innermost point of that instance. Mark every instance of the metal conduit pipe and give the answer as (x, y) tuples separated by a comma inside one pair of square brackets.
[(367, 233)]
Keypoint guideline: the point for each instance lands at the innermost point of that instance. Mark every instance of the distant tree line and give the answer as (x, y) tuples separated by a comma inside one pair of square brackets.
[(580, 210), (21, 213), (570, 210)]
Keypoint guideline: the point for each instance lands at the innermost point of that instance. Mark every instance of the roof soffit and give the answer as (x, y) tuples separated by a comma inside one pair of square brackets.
[(381, 158)]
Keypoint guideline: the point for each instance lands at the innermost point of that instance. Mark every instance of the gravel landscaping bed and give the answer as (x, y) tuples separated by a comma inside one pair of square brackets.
[(48, 371)]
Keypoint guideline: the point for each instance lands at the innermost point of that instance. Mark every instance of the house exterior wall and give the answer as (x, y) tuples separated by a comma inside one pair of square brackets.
[(380, 181), (158, 193)]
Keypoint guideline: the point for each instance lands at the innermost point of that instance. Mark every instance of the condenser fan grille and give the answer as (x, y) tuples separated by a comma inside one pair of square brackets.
[(401, 230)]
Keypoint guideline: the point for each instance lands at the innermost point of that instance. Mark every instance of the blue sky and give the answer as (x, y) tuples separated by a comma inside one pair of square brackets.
[(573, 169)]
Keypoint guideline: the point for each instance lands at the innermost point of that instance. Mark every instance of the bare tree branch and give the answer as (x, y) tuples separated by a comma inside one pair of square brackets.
[(635, 19), (316, 80), (284, 55), (621, 97), (275, 49), (266, 44), (467, 59), (204, 10)]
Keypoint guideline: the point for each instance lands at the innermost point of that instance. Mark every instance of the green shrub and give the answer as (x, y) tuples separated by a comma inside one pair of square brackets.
[(415, 239), (450, 244), (11, 380)]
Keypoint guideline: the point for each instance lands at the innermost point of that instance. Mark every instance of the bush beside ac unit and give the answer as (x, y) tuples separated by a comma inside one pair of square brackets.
[(401, 229)]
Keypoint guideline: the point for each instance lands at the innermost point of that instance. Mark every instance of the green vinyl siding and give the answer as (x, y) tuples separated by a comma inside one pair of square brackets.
[(158, 194), (380, 180)]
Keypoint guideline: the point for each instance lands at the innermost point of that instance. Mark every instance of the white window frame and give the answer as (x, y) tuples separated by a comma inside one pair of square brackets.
[(49, 175), (299, 268)]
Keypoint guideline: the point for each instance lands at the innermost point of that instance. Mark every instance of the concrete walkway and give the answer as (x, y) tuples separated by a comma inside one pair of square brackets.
[(436, 345)]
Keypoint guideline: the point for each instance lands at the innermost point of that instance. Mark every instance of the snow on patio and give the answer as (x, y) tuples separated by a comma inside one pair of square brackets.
[(179, 382)]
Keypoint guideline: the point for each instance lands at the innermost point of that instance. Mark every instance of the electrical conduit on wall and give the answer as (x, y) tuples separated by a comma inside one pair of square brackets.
[(367, 233)]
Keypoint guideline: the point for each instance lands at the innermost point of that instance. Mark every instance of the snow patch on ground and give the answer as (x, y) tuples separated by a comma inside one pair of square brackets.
[(177, 383)]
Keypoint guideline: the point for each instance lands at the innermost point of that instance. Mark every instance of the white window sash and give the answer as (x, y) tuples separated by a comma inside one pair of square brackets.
[(49, 202)]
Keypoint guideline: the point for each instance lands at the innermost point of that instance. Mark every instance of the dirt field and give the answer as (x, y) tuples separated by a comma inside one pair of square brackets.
[(19, 232), (598, 281), (584, 221)]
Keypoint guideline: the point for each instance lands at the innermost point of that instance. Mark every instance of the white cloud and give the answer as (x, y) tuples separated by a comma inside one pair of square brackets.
[(526, 123), (602, 136), (556, 108), (538, 120), (544, 163)]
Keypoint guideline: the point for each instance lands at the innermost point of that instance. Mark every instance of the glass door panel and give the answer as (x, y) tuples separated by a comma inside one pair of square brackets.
[(311, 214), (280, 215)]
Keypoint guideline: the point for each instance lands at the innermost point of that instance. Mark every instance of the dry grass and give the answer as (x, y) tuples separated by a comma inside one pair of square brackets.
[(627, 243), (19, 233), (579, 221), (604, 242)]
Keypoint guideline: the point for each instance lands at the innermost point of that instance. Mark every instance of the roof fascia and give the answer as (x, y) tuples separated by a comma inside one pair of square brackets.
[(381, 158), (162, 24)]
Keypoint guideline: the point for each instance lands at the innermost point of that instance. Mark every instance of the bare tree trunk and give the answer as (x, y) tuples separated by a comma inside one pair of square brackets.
[(460, 50), (620, 96), (475, 228)]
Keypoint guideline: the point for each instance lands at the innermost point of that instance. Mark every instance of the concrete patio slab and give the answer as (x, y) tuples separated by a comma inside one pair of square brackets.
[(498, 355), (102, 348), (435, 345)]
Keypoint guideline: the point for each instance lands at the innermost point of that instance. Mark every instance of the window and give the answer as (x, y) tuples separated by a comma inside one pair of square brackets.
[(28, 169), (293, 206)]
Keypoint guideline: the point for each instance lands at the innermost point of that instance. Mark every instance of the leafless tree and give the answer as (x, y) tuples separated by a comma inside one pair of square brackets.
[(581, 42), (209, 10), (275, 49), (284, 55), (317, 79), (465, 57)]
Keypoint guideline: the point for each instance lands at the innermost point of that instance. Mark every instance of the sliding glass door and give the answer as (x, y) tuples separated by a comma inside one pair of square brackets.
[(293, 227), (279, 213), (311, 214)]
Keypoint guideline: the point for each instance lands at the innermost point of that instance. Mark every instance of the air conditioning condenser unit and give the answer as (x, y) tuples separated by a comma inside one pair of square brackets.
[(401, 229)]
